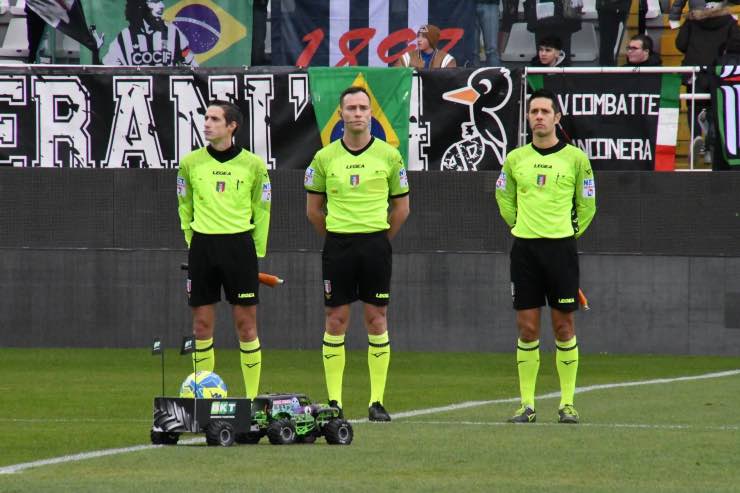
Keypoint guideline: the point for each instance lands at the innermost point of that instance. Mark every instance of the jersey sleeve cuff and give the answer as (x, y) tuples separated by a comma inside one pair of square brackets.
[(400, 195), (315, 192)]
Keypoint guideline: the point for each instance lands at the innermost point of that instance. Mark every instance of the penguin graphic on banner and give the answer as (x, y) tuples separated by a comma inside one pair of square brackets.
[(488, 90)]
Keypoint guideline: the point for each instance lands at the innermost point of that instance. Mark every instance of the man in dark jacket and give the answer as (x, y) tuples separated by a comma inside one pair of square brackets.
[(702, 38), (640, 52), (725, 151), (612, 14)]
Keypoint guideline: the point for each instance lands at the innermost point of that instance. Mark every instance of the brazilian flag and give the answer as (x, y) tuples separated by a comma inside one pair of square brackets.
[(219, 32), (390, 93)]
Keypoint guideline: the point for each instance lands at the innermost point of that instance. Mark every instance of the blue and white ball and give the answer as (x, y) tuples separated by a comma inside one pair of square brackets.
[(204, 385)]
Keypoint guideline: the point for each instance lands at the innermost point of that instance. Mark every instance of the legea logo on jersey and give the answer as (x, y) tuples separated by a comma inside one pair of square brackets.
[(354, 180)]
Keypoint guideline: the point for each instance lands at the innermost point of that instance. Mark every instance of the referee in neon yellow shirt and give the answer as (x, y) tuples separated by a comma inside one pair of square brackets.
[(224, 198), (356, 177), (547, 195)]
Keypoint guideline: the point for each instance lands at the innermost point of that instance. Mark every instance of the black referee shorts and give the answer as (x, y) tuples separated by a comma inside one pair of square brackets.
[(357, 266), (222, 260), (544, 270)]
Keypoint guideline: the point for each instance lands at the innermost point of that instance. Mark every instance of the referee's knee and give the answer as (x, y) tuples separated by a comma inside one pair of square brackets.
[(337, 321)]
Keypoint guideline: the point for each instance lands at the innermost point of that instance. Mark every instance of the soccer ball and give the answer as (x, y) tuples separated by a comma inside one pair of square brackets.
[(203, 385)]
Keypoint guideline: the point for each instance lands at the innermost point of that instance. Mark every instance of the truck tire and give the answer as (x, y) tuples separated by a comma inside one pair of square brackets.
[(281, 432), (164, 437), (338, 432), (220, 433)]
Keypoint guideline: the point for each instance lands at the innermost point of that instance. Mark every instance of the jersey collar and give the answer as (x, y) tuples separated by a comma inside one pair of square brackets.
[(359, 151), (550, 150)]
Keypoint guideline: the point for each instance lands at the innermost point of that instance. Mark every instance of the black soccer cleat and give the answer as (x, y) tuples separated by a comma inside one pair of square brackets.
[(524, 414), (333, 403), (568, 414), (377, 412)]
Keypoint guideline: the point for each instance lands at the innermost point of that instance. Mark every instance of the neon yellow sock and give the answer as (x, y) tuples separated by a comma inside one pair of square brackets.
[(378, 359), (251, 359), (528, 365), (204, 358), (566, 360), (334, 357)]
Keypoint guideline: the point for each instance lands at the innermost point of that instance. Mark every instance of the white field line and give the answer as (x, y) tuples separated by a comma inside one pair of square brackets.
[(579, 390), (407, 414), (86, 455), (73, 420), (588, 425)]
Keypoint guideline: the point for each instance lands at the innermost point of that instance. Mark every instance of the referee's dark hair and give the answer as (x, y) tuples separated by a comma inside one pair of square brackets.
[(232, 113), (352, 90), (547, 94)]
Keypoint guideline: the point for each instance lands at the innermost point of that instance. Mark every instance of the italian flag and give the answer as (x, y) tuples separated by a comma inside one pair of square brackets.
[(665, 140)]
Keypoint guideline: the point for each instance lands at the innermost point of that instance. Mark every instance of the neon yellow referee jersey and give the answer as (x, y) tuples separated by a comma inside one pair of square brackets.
[(547, 193), (357, 185), (224, 198)]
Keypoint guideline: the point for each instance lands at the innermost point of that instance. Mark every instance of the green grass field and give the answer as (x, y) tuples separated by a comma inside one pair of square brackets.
[(673, 436)]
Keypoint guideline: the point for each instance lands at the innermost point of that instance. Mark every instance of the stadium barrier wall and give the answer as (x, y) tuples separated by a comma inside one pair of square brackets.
[(91, 259)]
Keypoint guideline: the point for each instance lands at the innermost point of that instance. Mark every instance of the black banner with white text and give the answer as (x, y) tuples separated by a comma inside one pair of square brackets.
[(459, 119), (621, 121), (101, 117)]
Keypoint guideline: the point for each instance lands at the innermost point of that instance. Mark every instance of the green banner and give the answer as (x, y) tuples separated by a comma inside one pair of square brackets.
[(211, 33), (390, 93)]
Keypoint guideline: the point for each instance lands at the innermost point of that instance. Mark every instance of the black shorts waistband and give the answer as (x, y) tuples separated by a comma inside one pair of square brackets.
[(545, 240), (221, 235), (357, 235)]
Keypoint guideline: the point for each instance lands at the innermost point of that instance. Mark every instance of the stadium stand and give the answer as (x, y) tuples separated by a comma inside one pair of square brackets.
[(67, 48), (19, 8), (517, 51), (15, 42)]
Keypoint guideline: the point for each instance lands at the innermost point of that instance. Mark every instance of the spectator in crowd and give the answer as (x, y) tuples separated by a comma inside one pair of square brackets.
[(259, 31), (702, 38), (731, 58), (426, 54), (35, 27), (560, 18), (509, 10), (612, 18), (550, 53), (674, 13), (488, 24), (640, 52), (148, 40)]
